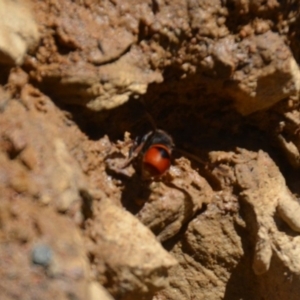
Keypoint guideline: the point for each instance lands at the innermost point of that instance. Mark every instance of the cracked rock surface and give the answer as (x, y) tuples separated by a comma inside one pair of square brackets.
[(81, 81), (264, 189)]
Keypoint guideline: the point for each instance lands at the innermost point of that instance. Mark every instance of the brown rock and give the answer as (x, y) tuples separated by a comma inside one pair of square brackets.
[(130, 268), (172, 204), (43, 168), (35, 261), (270, 73), (18, 31), (208, 253), (98, 292), (196, 63)]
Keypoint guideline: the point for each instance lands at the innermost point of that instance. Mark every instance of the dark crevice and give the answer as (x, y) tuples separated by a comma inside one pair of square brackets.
[(4, 74), (87, 204), (62, 47), (155, 7), (143, 32)]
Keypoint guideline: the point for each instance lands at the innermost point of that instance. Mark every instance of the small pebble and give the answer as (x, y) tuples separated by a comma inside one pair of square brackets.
[(41, 255)]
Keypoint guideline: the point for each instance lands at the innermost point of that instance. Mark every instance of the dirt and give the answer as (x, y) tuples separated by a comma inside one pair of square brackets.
[(80, 81)]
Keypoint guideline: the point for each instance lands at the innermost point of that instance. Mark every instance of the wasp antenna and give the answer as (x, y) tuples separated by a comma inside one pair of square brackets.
[(192, 156), (148, 115), (151, 120)]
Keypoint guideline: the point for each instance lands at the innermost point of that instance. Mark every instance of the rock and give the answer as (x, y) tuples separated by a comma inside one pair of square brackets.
[(213, 74), (173, 203), (253, 211), (130, 268), (266, 76), (41, 255), (288, 137), (264, 189), (110, 67), (18, 31), (208, 253), (43, 167), (98, 292), (101, 66), (52, 262)]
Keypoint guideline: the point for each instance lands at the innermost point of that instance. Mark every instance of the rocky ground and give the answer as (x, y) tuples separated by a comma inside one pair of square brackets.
[(78, 82)]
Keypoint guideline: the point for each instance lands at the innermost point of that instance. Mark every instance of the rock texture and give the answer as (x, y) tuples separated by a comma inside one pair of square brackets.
[(132, 269), (18, 31), (88, 61), (264, 189), (35, 263), (80, 81), (269, 219)]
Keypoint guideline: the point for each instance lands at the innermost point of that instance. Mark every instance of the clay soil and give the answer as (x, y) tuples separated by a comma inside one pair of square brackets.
[(80, 80)]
